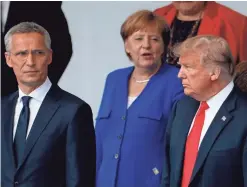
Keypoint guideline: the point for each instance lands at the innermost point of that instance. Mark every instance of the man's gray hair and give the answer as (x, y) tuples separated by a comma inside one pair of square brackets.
[(212, 49), (26, 27)]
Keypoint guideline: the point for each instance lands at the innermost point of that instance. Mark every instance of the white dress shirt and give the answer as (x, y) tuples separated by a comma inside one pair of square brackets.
[(38, 96), (131, 100), (214, 104)]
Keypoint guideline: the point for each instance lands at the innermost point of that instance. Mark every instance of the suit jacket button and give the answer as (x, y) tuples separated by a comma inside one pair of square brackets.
[(16, 183), (120, 137), (116, 156), (123, 117)]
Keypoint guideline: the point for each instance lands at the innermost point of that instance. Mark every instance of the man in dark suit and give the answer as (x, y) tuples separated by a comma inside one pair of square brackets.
[(48, 137), (51, 17), (206, 139)]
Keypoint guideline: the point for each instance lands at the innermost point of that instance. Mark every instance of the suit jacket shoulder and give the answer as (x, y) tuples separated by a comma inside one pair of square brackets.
[(116, 75), (70, 98), (229, 16), (186, 100), (120, 72), (9, 97), (225, 11), (66, 101), (168, 70)]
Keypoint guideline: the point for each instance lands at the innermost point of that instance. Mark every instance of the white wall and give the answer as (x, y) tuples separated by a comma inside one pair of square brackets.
[(97, 44)]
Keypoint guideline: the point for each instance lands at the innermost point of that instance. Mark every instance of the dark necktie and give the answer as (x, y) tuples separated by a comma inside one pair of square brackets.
[(21, 130)]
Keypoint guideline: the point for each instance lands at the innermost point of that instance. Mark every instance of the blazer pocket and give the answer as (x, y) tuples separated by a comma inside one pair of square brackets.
[(151, 114), (104, 114), (224, 152)]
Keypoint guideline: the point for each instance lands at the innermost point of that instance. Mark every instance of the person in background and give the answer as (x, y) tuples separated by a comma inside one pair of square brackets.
[(191, 18), (206, 138), (47, 134), (241, 76), (135, 106)]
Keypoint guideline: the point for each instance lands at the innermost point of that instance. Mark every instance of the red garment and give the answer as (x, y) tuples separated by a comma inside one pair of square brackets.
[(192, 144), (220, 21)]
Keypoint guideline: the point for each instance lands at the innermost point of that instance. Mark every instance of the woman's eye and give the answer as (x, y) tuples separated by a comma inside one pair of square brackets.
[(138, 38), (155, 39)]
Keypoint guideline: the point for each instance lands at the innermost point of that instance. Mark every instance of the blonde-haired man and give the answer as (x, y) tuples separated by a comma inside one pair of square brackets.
[(206, 142)]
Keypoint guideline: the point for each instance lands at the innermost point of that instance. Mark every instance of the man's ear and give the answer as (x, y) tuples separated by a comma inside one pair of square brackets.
[(215, 73), (8, 59), (50, 57)]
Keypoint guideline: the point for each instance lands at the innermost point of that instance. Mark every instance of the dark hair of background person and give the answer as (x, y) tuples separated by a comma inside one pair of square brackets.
[(241, 76), (50, 16), (191, 18)]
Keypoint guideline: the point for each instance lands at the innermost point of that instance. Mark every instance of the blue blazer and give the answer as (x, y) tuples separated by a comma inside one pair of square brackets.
[(130, 142), (60, 149), (222, 157)]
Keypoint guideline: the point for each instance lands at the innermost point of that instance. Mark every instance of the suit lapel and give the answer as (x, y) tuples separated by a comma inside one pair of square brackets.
[(47, 109), (183, 127), (8, 123), (222, 118), (122, 90)]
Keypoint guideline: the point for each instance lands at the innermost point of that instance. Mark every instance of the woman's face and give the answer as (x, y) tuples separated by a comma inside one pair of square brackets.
[(189, 7), (145, 47)]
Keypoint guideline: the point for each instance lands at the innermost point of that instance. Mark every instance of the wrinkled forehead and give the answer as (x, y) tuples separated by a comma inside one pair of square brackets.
[(190, 57), (28, 34), (189, 50), (147, 31), (149, 27), (24, 40)]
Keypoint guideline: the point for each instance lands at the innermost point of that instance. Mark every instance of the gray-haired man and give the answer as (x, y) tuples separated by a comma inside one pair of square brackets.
[(47, 136)]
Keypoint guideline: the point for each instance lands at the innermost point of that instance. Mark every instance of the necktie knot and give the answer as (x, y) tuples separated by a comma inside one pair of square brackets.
[(204, 106), (25, 100)]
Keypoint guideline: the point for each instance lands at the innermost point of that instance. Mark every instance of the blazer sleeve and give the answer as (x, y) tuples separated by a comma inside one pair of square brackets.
[(243, 42), (104, 101), (81, 149), (165, 181)]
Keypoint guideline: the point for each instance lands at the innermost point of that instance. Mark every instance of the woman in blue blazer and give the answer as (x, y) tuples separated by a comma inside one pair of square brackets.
[(135, 107)]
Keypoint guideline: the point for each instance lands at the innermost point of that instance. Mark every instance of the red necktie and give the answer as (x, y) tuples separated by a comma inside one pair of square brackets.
[(192, 144)]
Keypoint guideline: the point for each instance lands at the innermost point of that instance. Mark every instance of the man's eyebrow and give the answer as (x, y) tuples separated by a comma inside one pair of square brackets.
[(20, 51)]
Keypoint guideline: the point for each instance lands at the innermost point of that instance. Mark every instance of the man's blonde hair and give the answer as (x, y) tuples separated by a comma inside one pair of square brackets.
[(212, 49)]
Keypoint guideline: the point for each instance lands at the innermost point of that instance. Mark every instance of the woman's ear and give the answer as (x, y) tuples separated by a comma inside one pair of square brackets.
[(126, 46)]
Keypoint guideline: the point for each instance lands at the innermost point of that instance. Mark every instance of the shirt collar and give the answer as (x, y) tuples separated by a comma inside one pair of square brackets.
[(217, 100), (39, 93)]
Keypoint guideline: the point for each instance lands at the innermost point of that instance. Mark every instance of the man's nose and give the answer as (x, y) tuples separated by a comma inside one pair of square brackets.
[(181, 73), (30, 59)]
